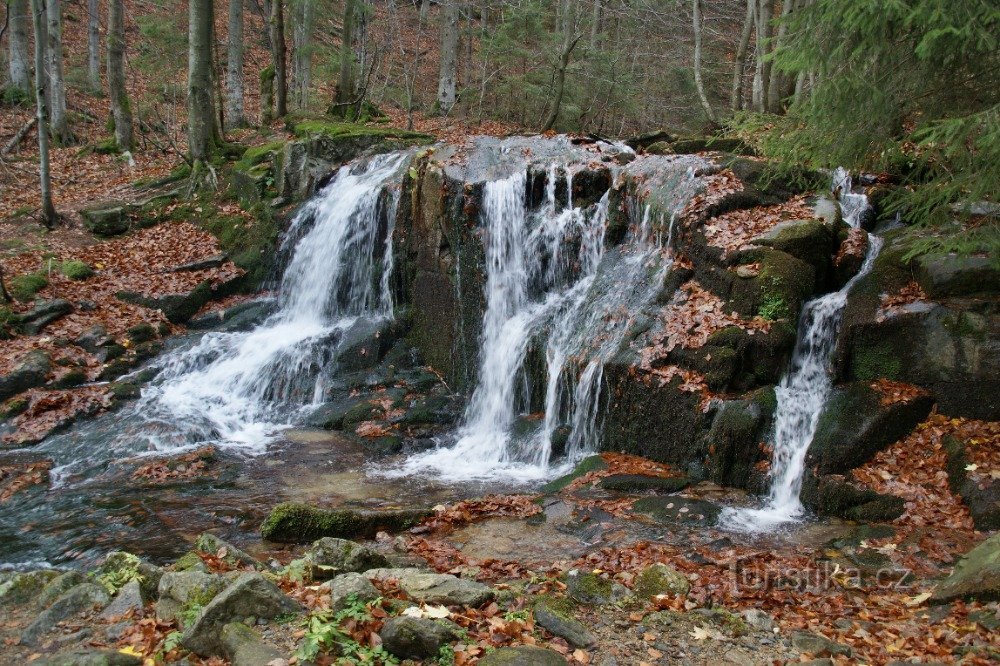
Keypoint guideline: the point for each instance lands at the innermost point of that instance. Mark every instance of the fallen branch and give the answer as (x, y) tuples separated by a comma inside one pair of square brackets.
[(19, 136)]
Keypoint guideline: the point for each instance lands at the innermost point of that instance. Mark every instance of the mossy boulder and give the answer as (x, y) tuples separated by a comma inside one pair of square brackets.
[(210, 544), (77, 270), (300, 523), (245, 647), (523, 655), (812, 241), (659, 579), (120, 568), (329, 557), (593, 590), (106, 219), (556, 615), (734, 439), (23, 587), (417, 637), (833, 495), (950, 275), (981, 495), (588, 464), (976, 575), (31, 371), (634, 483), (855, 425)]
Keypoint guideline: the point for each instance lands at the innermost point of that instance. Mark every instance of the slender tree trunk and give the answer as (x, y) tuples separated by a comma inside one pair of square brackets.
[(48, 211), (564, 61), (277, 26), (740, 66), (93, 45), (234, 65), (345, 83), (448, 73), (57, 82), (302, 38), (777, 89), (425, 8), (17, 43), (762, 74), (595, 25), (201, 114), (121, 109), (698, 83)]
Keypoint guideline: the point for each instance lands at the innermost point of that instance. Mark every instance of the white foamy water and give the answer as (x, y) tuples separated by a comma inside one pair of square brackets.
[(805, 387), (237, 390)]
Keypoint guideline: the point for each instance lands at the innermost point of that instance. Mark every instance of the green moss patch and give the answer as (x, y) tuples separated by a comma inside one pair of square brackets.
[(300, 523), (24, 287), (77, 270), (586, 465)]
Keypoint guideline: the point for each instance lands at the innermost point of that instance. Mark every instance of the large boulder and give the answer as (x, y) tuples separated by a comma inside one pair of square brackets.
[(980, 494), (855, 425), (417, 637), (976, 576), (250, 596), (128, 599), (85, 596), (812, 241), (20, 588), (942, 275), (434, 588), (58, 586), (300, 523), (210, 544), (31, 371), (120, 568)]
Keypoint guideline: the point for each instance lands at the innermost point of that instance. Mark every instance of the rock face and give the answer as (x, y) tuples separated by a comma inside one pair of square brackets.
[(250, 596), (244, 646), (435, 588), (30, 372), (981, 495), (301, 523), (976, 576), (417, 638), (82, 597)]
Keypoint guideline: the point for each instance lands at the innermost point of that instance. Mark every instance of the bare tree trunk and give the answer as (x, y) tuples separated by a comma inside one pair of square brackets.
[(698, 83), (234, 65), (48, 211), (447, 77), (17, 42), (93, 45), (345, 83), (595, 25), (121, 110), (425, 7), (302, 39), (201, 114), (564, 60), (57, 82), (762, 74), (778, 88), (740, 66), (277, 27)]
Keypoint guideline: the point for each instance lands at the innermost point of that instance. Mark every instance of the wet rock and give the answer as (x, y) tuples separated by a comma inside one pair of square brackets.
[(679, 510), (106, 219), (434, 588), (240, 317), (661, 579), (631, 483), (556, 615), (591, 589), (129, 598), (328, 557), (734, 436), (976, 575), (818, 646), (210, 544), (84, 596), (58, 586), (589, 464), (981, 495), (348, 585), (29, 372), (943, 275), (120, 568), (201, 264), (331, 415), (84, 657), (812, 241), (177, 308), (300, 523), (23, 587), (417, 637), (854, 425), (833, 495), (244, 646), (43, 314), (523, 655), (250, 596)]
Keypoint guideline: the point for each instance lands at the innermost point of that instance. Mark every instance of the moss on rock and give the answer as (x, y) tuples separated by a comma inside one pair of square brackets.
[(589, 464), (300, 523)]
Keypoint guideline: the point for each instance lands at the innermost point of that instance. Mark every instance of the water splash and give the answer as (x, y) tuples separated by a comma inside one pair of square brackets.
[(805, 387), (238, 390)]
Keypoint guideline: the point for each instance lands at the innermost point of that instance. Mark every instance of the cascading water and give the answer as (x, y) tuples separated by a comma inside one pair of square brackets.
[(805, 387), (237, 390)]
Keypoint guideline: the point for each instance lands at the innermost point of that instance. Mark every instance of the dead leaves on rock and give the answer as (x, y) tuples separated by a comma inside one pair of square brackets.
[(15, 478), (735, 230)]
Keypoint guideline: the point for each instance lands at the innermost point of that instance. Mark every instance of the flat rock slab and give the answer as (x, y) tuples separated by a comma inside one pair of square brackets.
[(245, 647), (524, 655), (435, 588), (976, 576), (417, 637), (679, 510), (84, 596)]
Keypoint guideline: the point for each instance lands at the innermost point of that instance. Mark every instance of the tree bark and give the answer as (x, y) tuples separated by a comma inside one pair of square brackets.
[(595, 25), (57, 82), (698, 83), (740, 66), (17, 43), (778, 88), (448, 73), (345, 84), (121, 109), (564, 60), (277, 27), (234, 66), (762, 75), (201, 114), (302, 64), (93, 45), (425, 8), (48, 211)]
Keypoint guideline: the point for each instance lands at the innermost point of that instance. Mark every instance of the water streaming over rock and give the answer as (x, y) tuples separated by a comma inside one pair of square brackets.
[(238, 389), (805, 387)]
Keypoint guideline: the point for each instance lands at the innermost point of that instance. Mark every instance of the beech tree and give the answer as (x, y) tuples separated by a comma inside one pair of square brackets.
[(57, 82), (48, 211), (344, 97), (447, 78), (201, 111), (93, 45), (277, 31), (235, 116), (121, 109), (17, 45)]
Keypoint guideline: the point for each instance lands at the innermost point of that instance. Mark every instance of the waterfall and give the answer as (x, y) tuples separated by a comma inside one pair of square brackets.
[(237, 390), (532, 284), (805, 387)]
